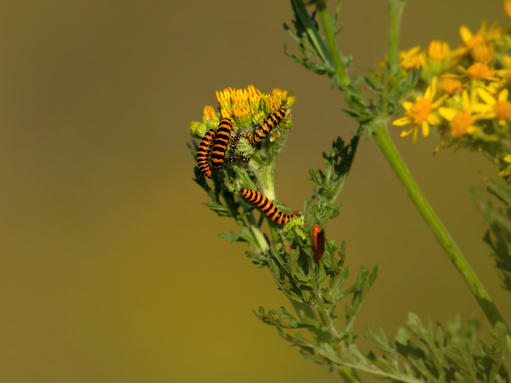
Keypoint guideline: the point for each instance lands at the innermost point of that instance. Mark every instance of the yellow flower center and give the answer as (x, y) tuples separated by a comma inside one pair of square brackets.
[(209, 112), (438, 50), (226, 112), (254, 97), (474, 40), (241, 109), (460, 123), (224, 96), (482, 52), (479, 71), (420, 111), (239, 95), (273, 103), (414, 61), (453, 87), (502, 110)]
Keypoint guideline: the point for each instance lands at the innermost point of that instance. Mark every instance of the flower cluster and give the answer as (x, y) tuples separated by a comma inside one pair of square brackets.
[(244, 106), (463, 92)]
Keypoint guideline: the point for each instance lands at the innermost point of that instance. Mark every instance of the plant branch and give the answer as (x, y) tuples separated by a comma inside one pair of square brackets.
[(445, 240), (332, 46)]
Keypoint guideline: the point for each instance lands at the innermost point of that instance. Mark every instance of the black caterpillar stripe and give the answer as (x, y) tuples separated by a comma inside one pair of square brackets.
[(237, 157), (266, 206), (235, 141), (221, 141), (203, 153), (266, 127)]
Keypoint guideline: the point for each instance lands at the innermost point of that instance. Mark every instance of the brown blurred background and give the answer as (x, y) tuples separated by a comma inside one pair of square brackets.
[(111, 269)]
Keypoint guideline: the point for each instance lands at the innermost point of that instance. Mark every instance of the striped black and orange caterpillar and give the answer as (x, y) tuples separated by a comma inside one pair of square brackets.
[(235, 141), (237, 157), (221, 141), (262, 130), (267, 207), (203, 153)]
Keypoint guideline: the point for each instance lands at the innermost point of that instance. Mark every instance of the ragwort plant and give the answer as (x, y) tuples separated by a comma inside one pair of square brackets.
[(461, 93)]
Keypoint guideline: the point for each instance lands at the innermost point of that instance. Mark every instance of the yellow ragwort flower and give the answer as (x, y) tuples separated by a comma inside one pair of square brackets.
[(242, 113), (239, 95), (412, 59), (452, 87), (438, 50), (461, 122), (483, 52), (477, 71), (421, 113), (277, 92), (272, 103), (224, 97), (481, 36), (500, 108), (226, 112), (209, 113)]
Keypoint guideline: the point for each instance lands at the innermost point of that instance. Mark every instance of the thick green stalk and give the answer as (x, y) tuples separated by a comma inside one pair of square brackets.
[(332, 46), (395, 161), (397, 164), (396, 10)]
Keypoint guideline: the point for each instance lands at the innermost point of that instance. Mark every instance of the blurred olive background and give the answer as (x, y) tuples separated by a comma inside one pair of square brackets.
[(111, 269)]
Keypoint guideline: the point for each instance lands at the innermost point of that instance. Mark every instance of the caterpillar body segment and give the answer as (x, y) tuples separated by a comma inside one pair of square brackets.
[(221, 142), (204, 150), (266, 206), (262, 130)]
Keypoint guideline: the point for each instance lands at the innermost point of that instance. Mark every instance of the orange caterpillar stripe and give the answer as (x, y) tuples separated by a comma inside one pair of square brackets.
[(266, 206), (266, 127), (221, 141), (318, 241), (203, 153)]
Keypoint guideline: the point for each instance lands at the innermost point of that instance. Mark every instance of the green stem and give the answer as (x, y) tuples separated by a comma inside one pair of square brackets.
[(396, 10), (348, 374), (332, 46), (395, 161), (305, 311)]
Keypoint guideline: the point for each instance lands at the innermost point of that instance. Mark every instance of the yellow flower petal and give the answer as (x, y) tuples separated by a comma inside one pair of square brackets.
[(433, 119), (503, 95), (407, 105), (425, 129), (507, 158), (402, 121), (465, 33), (431, 91), (465, 101), (405, 133), (439, 102), (505, 172), (486, 96), (448, 113)]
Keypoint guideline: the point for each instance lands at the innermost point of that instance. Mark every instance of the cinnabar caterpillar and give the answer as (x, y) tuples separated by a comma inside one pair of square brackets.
[(237, 157), (203, 153), (262, 130), (318, 241), (221, 141), (235, 141), (266, 206)]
